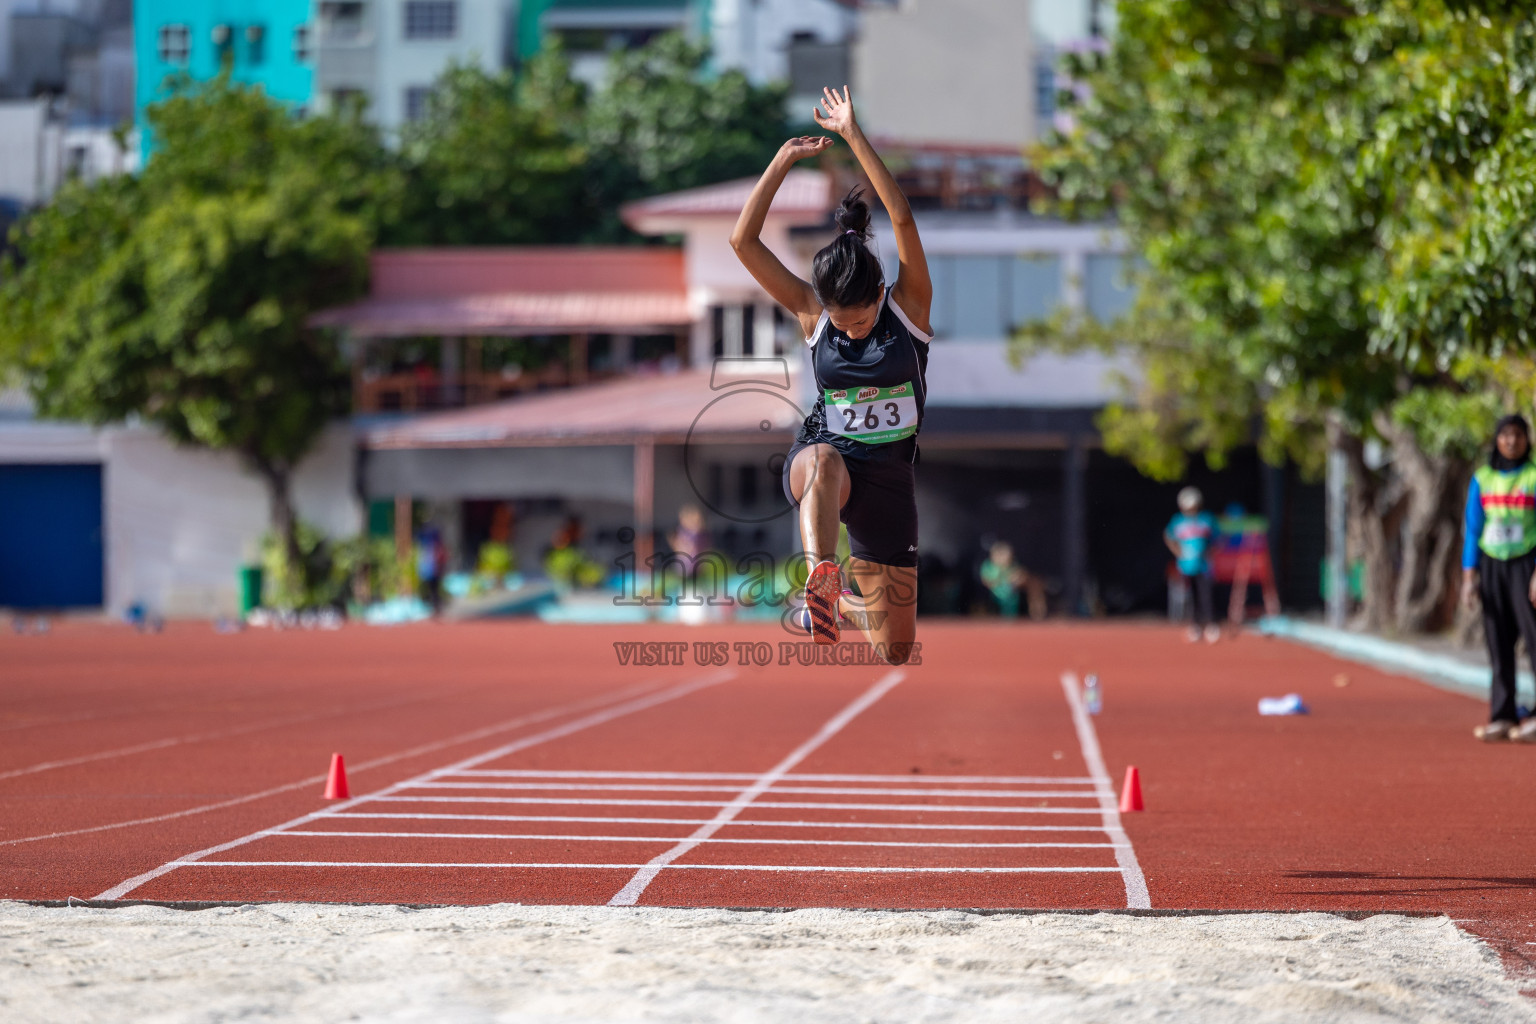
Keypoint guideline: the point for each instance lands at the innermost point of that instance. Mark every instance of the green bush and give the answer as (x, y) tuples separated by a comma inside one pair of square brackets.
[(330, 573), (571, 567), (495, 561)]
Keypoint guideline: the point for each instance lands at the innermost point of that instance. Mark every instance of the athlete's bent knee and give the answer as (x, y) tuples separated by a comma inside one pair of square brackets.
[(896, 652)]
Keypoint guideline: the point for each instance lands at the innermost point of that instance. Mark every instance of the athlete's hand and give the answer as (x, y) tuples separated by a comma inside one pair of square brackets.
[(1531, 591), (804, 146), (839, 108), (1469, 589)]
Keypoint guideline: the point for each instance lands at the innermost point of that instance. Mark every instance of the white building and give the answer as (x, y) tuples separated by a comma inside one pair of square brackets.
[(802, 42), (389, 52), (39, 151)]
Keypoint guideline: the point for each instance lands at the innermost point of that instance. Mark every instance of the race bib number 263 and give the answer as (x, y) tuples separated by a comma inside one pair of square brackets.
[(873, 415)]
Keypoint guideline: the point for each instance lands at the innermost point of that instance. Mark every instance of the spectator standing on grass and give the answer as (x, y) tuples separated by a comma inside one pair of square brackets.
[(1191, 536), (1498, 568)]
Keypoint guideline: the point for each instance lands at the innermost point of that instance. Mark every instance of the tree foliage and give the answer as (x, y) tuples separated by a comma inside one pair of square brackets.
[(497, 159), (181, 297), (1333, 205), (531, 157), (661, 123)]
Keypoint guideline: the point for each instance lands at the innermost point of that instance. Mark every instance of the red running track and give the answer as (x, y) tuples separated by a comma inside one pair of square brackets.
[(519, 762)]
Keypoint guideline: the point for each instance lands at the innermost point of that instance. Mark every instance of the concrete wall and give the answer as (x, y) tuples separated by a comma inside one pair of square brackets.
[(29, 151), (946, 71), (179, 522)]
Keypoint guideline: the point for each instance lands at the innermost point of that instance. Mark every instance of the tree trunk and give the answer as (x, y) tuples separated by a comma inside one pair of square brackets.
[(1434, 487), (1373, 512), (1405, 526), (285, 522)]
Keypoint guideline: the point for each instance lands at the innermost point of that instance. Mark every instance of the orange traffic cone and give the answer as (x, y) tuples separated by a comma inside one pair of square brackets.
[(336, 782), (1130, 793)]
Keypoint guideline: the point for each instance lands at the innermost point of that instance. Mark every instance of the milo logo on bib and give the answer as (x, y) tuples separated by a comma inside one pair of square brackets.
[(873, 415)]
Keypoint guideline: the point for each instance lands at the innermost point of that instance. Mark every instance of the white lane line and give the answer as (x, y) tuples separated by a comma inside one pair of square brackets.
[(839, 868), (361, 766), (737, 823), (203, 737), (630, 894), (607, 714), (1027, 794), (1136, 895), (760, 804), (828, 791), (713, 839), (1011, 780)]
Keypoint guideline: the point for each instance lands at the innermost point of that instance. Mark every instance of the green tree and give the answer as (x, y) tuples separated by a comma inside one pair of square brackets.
[(1332, 202), (497, 159), (530, 158), (181, 297), (661, 123)]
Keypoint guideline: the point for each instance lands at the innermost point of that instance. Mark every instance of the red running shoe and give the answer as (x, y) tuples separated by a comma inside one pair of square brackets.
[(823, 588)]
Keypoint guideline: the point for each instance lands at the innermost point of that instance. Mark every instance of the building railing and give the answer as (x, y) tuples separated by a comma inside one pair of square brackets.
[(418, 392)]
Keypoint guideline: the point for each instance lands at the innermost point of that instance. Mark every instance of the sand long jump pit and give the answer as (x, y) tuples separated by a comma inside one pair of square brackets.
[(316, 962)]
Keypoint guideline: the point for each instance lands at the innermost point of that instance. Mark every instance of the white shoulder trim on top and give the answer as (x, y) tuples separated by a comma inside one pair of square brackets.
[(906, 321), (821, 325)]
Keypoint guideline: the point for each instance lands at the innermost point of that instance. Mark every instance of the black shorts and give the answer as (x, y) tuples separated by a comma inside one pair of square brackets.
[(881, 512)]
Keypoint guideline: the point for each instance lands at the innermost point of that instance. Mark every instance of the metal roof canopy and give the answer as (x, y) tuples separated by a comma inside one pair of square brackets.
[(738, 401)]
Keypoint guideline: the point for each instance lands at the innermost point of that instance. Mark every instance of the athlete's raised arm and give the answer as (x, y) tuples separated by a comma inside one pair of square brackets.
[(914, 288), (777, 280)]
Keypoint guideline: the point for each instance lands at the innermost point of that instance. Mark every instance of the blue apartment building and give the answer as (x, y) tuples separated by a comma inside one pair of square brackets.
[(265, 42)]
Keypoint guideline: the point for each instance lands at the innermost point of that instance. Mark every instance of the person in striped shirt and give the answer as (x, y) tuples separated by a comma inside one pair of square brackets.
[(1498, 569)]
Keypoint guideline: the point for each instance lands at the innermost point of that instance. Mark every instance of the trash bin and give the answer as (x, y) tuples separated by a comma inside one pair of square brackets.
[(250, 589)]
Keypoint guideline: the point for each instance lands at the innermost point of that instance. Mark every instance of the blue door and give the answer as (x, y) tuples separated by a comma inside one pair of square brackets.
[(50, 536)]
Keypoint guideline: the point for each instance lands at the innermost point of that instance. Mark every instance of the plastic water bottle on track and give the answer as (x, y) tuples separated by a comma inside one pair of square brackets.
[(1093, 697)]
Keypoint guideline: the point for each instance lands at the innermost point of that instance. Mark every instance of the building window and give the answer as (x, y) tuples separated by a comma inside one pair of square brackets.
[(1045, 85), (987, 297), (341, 21), (1108, 293), (301, 44), (255, 44), (431, 19), (223, 38), (416, 97), (175, 44), (1036, 289)]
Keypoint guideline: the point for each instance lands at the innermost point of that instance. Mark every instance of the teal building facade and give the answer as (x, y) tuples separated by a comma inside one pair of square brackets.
[(265, 42)]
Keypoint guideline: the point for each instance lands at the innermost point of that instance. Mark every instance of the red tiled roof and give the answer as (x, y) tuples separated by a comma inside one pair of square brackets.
[(511, 291), (804, 194), (438, 273), (671, 408), (513, 314)]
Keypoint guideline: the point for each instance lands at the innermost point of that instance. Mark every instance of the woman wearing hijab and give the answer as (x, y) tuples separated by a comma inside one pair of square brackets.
[(1499, 567)]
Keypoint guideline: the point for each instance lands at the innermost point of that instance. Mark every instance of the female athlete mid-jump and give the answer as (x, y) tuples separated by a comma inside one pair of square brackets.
[(854, 456)]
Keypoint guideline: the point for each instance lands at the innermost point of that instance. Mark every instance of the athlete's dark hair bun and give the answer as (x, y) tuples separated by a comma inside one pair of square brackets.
[(853, 215), (845, 274)]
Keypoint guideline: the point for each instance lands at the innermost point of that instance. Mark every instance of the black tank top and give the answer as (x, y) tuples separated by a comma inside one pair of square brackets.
[(875, 385)]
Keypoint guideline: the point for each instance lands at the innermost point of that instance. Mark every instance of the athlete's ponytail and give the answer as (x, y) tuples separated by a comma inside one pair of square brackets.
[(845, 274)]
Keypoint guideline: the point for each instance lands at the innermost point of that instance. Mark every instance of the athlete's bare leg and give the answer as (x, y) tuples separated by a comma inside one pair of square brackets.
[(887, 613), (819, 481)]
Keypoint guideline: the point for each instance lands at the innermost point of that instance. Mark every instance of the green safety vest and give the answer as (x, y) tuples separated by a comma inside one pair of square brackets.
[(1509, 511)]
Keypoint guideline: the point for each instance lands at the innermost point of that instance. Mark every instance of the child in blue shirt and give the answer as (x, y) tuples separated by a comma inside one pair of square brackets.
[(1191, 536)]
